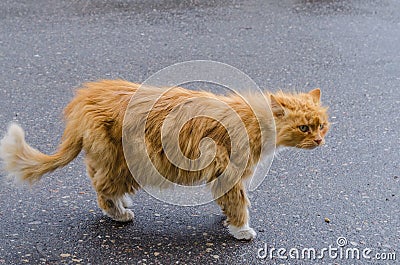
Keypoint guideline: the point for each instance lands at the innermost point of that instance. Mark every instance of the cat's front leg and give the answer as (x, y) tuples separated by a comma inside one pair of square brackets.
[(244, 231), (234, 204)]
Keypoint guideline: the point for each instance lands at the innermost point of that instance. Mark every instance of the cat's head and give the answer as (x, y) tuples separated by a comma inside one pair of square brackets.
[(301, 121)]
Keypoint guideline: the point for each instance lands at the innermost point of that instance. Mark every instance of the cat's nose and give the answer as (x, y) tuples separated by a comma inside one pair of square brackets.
[(318, 141)]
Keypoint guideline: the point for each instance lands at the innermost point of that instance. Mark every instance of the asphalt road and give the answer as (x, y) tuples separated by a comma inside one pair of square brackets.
[(348, 48)]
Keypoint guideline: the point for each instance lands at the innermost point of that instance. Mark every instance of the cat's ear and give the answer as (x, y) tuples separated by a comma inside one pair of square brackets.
[(316, 95), (276, 107)]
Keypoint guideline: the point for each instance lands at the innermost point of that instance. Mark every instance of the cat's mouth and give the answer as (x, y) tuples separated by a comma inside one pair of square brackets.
[(308, 146)]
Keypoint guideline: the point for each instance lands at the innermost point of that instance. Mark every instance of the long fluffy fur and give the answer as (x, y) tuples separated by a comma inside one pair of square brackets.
[(94, 123), (28, 164)]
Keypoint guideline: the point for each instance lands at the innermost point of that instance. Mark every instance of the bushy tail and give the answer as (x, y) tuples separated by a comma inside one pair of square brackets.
[(25, 163)]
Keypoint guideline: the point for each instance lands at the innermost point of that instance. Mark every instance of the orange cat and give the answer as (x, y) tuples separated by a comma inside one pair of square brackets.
[(95, 123)]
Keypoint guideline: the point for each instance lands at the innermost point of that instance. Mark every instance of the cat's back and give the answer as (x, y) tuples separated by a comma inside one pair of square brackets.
[(108, 100), (106, 97), (118, 93), (105, 91)]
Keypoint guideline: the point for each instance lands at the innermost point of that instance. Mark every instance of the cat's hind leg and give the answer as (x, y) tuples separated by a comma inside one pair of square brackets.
[(127, 201), (112, 192), (234, 204), (115, 208)]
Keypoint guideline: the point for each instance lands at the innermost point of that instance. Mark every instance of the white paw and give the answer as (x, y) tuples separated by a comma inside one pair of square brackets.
[(225, 222), (127, 216), (242, 233)]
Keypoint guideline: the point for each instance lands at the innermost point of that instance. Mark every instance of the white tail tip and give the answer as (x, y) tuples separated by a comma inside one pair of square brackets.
[(11, 145)]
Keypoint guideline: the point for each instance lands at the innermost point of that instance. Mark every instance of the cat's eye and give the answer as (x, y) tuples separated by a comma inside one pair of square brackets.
[(321, 126), (304, 128)]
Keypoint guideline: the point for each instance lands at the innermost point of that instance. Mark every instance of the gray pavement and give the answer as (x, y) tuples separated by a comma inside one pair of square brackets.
[(348, 48)]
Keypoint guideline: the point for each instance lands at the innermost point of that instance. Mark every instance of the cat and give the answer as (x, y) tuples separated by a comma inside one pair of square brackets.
[(94, 123)]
